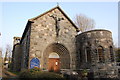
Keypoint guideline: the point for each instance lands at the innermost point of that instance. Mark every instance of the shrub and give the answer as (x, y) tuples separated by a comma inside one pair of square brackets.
[(40, 75), (35, 69), (25, 74)]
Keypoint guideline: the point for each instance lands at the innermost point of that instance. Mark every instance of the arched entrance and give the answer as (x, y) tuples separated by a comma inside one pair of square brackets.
[(61, 52), (54, 62)]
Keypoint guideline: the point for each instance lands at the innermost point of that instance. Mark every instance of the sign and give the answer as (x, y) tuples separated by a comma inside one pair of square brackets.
[(34, 63)]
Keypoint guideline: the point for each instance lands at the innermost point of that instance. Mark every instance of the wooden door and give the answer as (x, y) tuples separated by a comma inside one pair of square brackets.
[(54, 64)]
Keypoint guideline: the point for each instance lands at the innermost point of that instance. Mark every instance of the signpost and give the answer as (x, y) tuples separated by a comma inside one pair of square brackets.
[(34, 63)]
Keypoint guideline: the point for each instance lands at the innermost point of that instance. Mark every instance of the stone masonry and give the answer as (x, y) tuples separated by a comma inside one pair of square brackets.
[(54, 32), (95, 52)]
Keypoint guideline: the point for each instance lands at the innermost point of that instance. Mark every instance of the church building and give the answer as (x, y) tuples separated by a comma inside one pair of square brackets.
[(50, 42)]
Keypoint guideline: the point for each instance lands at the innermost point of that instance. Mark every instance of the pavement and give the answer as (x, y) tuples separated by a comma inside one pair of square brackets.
[(6, 75)]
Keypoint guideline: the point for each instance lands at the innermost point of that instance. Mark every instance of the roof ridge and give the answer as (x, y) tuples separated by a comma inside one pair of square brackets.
[(32, 19), (43, 13)]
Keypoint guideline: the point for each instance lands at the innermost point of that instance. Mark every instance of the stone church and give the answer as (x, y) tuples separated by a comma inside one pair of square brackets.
[(51, 42)]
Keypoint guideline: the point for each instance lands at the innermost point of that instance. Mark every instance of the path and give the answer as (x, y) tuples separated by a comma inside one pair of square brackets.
[(6, 75)]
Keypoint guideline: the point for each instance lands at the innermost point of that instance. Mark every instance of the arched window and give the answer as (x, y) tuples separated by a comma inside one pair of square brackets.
[(101, 55), (88, 54), (111, 54), (81, 57), (54, 55)]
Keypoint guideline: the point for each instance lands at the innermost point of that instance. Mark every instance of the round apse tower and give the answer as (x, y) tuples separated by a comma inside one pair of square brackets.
[(95, 52)]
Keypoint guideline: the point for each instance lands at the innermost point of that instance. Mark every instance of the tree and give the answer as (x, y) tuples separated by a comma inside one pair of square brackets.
[(84, 23), (0, 52), (117, 51), (8, 53), (0, 47), (0, 62)]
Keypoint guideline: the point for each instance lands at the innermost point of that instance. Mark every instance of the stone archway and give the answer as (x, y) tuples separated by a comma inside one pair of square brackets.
[(62, 51)]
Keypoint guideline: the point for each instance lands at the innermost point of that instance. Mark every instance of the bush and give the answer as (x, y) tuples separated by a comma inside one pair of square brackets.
[(25, 74), (35, 69), (40, 75)]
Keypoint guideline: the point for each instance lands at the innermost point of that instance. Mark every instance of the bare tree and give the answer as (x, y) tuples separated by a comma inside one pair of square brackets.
[(84, 23), (0, 62), (0, 49), (8, 53), (117, 53), (0, 52)]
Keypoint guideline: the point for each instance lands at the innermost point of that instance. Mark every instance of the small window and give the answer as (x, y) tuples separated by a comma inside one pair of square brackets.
[(88, 54), (118, 70), (81, 59), (101, 55), (111, 54)]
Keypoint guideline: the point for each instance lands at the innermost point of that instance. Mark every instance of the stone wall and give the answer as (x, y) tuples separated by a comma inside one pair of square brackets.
[(43, 34), (93, 40), (25, 45), (16, 58), (92, 50), (16, 55)]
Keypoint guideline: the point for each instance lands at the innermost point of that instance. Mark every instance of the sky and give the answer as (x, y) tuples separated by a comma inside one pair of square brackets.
[(14, 16)]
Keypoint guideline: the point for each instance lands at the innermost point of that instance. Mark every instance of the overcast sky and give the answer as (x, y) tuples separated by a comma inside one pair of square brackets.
[(14, 16)]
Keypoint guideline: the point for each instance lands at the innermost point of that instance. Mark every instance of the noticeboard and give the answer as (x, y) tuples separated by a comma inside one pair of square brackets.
[(34, 63)]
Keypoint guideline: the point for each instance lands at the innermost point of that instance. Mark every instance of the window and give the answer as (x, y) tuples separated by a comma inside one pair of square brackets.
[(111, 54), (88, 54), (101, 55), (81, 59), (118, 70)]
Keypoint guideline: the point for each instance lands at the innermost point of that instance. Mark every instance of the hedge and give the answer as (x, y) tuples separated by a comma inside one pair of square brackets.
[(37, 74)]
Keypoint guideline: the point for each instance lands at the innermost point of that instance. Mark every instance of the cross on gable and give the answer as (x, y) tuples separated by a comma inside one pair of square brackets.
[(57, 19)]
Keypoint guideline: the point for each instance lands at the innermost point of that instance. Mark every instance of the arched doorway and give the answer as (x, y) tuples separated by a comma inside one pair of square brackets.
[(54, 62), (59, 50)]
